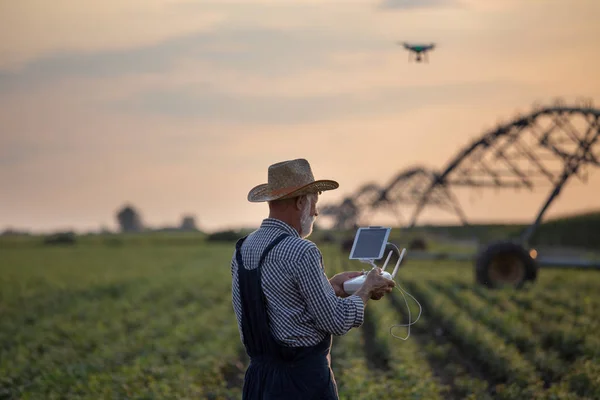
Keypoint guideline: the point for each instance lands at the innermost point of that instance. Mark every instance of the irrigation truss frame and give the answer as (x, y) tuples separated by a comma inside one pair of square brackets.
[(540, 148)]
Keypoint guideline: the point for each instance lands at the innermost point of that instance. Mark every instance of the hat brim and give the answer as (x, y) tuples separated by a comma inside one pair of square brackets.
[(262, 193)]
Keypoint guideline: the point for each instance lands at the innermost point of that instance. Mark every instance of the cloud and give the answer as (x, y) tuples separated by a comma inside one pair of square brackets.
[(32, 28), (414, 4), (264, 52), (205, 103)]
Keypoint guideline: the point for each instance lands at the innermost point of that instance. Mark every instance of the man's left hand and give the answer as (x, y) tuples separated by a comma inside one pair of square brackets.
[(337, 282)]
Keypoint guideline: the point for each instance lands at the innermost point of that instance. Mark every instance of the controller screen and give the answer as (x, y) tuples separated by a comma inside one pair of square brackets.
[(369, 243)]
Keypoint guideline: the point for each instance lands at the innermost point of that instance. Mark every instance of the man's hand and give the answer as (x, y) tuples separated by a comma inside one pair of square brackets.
[(375, 286), (337, 282)]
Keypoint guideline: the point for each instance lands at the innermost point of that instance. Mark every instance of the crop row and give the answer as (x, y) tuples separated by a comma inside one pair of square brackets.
[(461, 379), (578, 350), (552, 326), (510, 328), (540, 331), (171, 335), (506, 368)]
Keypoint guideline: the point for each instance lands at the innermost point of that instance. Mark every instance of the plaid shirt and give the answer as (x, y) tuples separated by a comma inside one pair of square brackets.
[(302, 305)]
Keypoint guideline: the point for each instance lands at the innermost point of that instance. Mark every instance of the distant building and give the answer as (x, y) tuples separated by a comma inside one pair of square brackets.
[(188, 223), (129, 220)]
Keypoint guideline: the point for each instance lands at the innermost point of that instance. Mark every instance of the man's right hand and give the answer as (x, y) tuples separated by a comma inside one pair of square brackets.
[(375, 286)]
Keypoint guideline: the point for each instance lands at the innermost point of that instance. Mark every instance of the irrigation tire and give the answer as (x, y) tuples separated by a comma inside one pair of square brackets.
[(505, 263)]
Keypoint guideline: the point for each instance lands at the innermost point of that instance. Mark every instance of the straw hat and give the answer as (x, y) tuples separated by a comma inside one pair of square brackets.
[(289, 179)]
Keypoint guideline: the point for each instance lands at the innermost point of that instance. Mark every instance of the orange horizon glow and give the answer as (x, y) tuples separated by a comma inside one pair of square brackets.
[(179, 108)]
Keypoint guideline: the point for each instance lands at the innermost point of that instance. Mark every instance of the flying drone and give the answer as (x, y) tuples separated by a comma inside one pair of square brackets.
[(418, 50)]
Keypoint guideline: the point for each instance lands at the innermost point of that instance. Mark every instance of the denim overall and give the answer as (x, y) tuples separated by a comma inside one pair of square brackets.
[(277, 371)]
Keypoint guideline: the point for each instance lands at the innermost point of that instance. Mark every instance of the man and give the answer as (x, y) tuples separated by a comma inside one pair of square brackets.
[(286, 308)]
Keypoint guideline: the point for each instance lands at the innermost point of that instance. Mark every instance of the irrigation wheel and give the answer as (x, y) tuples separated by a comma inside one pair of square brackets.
[(505, 264)]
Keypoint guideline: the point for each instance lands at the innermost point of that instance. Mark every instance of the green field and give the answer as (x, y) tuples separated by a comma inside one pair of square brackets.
[(151, 318)]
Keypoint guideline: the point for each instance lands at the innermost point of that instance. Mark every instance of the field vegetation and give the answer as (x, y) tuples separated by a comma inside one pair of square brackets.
[(579, 231), (150, 317)]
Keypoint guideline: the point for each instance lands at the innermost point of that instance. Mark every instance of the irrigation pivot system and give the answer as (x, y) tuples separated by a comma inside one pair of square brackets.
[(405, 188), (546, 147)]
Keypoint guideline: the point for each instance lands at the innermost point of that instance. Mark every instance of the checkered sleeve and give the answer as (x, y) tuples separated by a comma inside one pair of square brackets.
[(331, 313)]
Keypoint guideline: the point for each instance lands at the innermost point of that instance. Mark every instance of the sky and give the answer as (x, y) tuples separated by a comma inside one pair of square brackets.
[(179, 107)]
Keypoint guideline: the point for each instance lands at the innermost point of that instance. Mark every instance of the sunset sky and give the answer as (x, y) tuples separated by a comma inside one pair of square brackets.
[(180, 106)]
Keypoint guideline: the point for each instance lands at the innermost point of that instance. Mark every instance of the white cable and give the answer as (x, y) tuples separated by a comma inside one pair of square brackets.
[(402, 291)]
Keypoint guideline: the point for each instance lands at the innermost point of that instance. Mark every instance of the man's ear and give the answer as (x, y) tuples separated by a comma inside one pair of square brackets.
[(300, 201)]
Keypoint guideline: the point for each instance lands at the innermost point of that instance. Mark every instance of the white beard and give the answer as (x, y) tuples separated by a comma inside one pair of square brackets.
[(306, 221)]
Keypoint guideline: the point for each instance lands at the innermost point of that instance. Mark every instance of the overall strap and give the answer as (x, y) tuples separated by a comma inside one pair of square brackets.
[(260, 263), (255, 320), (238, 250)]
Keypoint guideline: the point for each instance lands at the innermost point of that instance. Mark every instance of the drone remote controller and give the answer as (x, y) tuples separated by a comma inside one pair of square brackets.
[(352, 285), (369, 245)]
